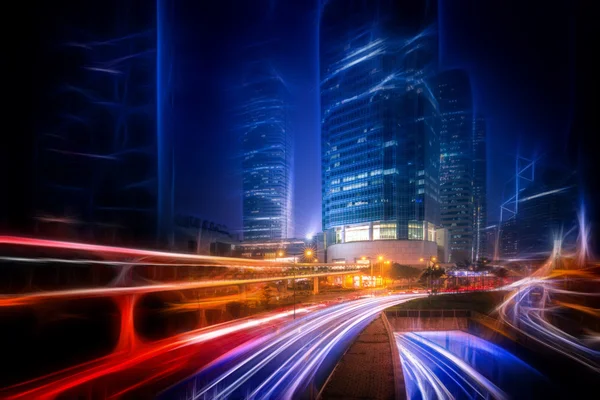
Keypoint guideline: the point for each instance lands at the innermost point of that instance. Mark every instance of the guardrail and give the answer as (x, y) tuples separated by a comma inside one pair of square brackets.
[(417, 313)]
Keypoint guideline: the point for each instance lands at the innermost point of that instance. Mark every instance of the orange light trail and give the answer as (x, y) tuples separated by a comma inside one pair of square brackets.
[(52, 385)]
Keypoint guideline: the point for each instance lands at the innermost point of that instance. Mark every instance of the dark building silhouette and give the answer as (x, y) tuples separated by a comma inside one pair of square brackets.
[(547, 211), (95, 148), (453, 93), (199, 235)]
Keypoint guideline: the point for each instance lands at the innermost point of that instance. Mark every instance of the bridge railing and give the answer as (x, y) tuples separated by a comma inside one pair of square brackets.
[(418, 313)]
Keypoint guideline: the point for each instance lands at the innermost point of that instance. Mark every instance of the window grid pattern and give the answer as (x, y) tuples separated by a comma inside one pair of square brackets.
[(267, 160), (379, 122)]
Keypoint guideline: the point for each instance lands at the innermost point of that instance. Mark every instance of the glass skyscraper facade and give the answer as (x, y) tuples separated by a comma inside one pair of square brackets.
[(380, 148), (479, 188), (267, 156), (456, 161)]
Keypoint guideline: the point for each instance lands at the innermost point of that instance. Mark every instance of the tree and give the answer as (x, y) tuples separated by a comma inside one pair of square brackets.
[(399, 271), (434, 273), (501, 272), (483, 264), (234, 308), (266, 295)]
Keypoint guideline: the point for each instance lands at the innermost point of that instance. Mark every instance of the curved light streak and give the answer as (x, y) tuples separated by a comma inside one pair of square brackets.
[(304, 345)]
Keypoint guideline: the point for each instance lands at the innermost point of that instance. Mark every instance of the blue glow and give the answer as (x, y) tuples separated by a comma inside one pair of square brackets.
[(370, 64), (96, 165), (164, 129), (263, 122), (457, 365)]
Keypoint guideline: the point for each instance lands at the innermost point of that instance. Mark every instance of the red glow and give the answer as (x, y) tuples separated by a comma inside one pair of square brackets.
[(55, 244), (141, 364)]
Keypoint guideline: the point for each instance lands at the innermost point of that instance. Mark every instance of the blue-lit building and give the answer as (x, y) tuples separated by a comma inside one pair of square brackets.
[(267, 155), (380, 145), (453, 92), (479, 188)]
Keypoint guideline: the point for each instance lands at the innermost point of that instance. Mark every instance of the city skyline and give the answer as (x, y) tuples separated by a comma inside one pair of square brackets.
[(187, 176), (272, 199)]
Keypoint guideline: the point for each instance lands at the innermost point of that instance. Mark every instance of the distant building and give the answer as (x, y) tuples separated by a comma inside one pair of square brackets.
[(547, 211), (96, 155), (507, 239), (443, 245), (380, 147), (267, 155), (287, 250), (200, 236), (453, 94), (490, 234), (479, 189), (320, 246)]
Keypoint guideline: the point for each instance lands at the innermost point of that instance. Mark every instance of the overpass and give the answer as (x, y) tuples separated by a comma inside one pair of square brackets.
[(35, 271)]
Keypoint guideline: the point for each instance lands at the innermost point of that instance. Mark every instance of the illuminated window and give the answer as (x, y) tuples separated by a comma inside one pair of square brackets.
[(415, 230), (357, 233), (384, 231)]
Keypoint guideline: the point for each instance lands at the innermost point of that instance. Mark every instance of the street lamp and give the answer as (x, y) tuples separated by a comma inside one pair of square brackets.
[(387, 262), (307, 254), (430, 266), (371, 266)]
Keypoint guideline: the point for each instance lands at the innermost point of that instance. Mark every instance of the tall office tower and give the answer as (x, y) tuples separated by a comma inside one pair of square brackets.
[(169, 84), (267, 155), (96, 149), (479, 188), (380, 149), (456, 161)]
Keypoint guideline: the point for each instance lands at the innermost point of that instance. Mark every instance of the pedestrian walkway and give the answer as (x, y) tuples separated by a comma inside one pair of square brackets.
[(366, 370)]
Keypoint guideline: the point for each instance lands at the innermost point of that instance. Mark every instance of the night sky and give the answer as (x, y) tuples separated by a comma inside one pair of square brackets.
[(520, 61)]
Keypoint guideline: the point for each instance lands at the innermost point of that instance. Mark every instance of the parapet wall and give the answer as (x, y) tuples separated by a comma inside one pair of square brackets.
[(428, 320)]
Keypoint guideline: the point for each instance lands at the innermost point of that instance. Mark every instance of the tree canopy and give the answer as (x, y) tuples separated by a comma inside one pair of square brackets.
[(399, 271)]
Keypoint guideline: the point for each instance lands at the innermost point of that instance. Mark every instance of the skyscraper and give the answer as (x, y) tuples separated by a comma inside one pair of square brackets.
[(380, 149), (456, 161), (267, 155), (96, 152), (479, 188)]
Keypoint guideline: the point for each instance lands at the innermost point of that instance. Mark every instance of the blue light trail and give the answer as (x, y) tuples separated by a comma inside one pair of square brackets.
[(457, 365)]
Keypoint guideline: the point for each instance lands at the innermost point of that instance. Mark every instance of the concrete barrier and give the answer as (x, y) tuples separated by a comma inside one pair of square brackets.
[(428, 320)]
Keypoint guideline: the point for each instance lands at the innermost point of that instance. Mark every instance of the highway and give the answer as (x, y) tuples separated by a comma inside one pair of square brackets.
[(457, 365), (146, 367), (293, 362), (533, 301)]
